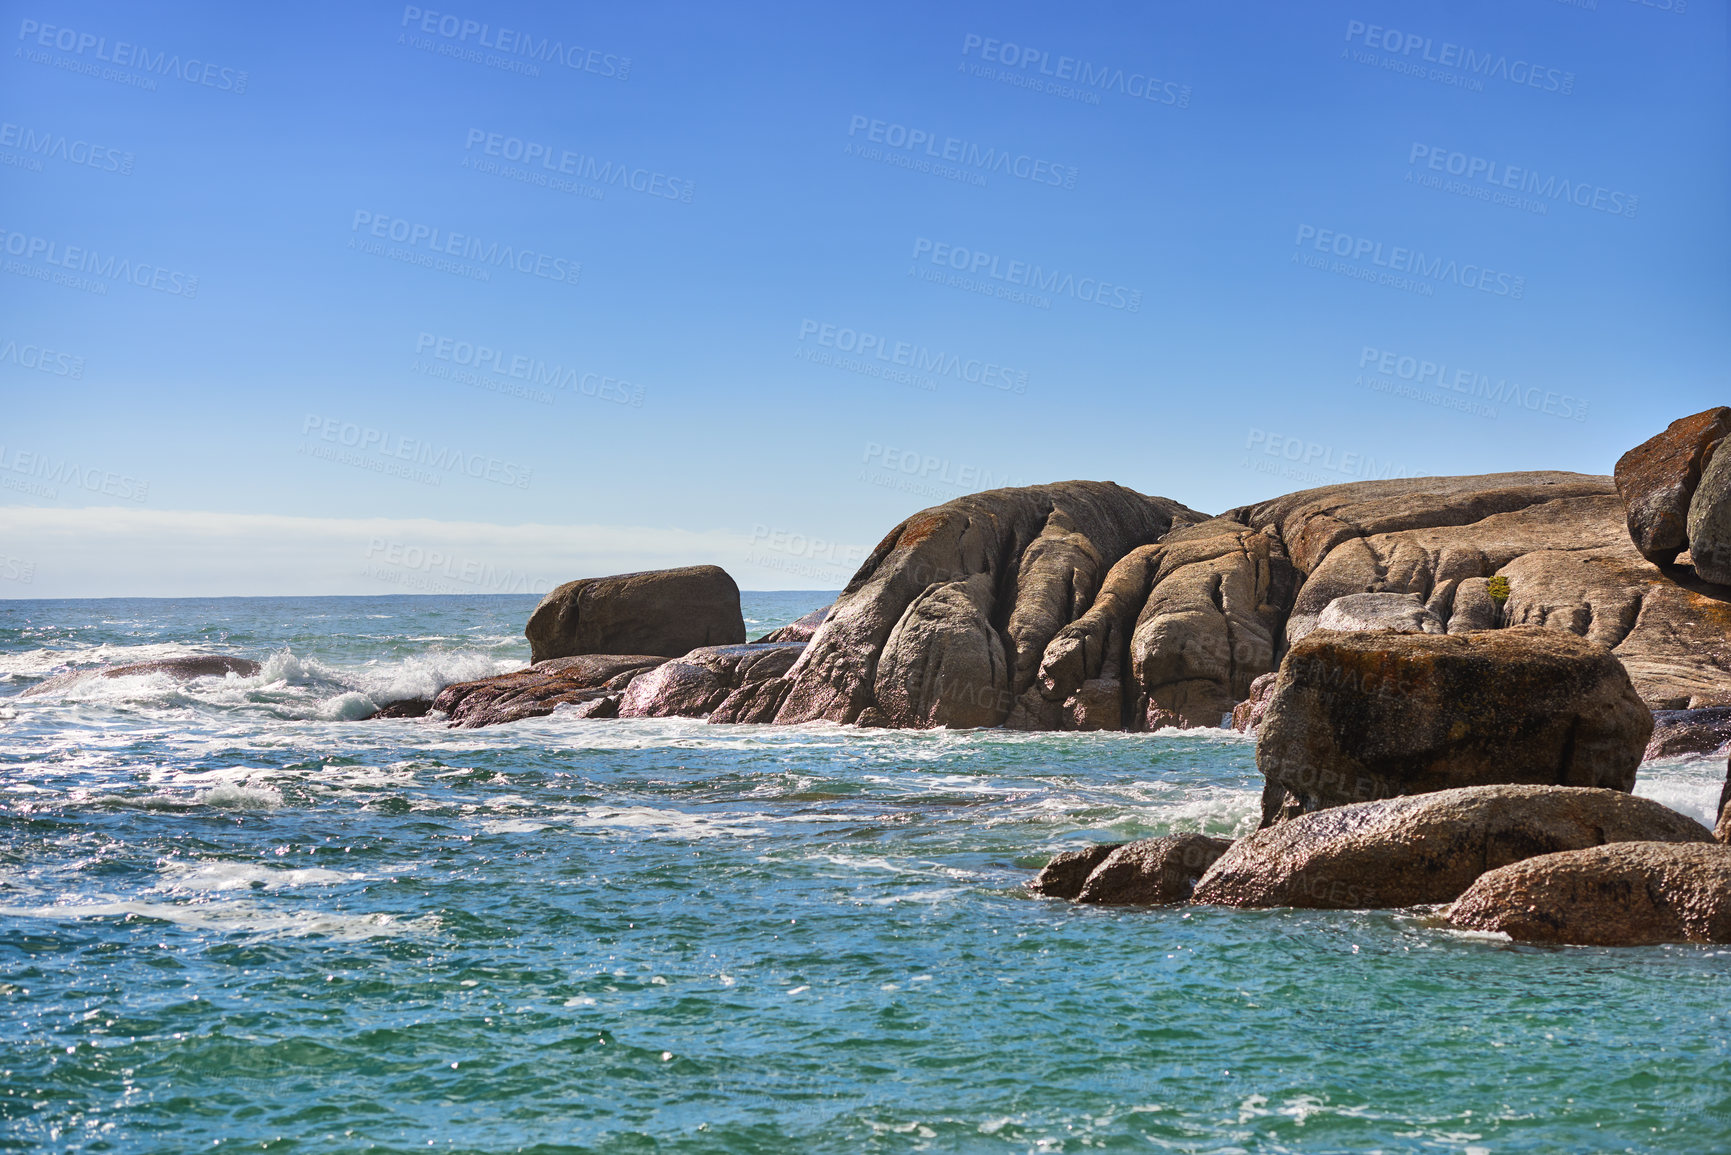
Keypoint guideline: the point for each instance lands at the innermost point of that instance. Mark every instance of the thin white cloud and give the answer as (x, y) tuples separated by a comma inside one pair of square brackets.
[(108, 551)]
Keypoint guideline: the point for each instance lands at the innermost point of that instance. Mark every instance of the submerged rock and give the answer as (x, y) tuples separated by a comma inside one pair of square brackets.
[(1067, 873), (1427, 848), (406, 708), (1658, 478), (1153, 871), (1626, 894), (539, 690), (665, 612), (186, 668), (1359, 716)]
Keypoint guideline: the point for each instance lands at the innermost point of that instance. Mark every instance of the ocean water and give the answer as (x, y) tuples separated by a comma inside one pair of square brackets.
[(233, 917)]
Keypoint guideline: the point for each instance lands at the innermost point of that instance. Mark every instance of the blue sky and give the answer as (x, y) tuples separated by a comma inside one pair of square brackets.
[(754, 287)]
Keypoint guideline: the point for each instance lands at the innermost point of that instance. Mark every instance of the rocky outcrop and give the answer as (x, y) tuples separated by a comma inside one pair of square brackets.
[(702, 680), (1426, 848), (1657, 481), (1248, 714), (1359, 716), (1709, 522), (184, 668), (1068, 872), (542, 688), (1152, 872), (1678, 733), (802, 630), (403, 708), (947, 620), (665, 612), (1396, 613), (1626, 894)]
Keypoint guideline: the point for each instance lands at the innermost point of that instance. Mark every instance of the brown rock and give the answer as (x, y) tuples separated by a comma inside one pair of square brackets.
[(1427, 848), (1657, 480), (1709, 523), (802, 630), (406, 708), (1153, 871), (1626, 894), (1359, 716), (665, 612), (1680, 732), (1248, 714), (696, 684), (971, 590), (538, 690), (186, 668), (1064, 876)]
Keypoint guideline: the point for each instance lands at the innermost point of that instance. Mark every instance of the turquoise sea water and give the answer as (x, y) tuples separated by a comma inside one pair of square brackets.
[(232, 918)]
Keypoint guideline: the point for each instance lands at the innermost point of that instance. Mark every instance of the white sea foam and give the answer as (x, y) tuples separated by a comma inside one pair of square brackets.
[(236, 918), (205, 877)]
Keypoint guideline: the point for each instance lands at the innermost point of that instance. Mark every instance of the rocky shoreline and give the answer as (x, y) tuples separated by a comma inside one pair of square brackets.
[(1452, 681)]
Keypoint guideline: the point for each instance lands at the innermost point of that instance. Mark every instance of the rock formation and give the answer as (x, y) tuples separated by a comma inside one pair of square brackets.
[(1067, 873), (661, 612), (1397, 613), (184, 668), (540, 689), (701, 681), (1365, 715), (1657, 481), (1153, 871), (1426, 848), (1625, 894), (801, 630), (1682, 732)]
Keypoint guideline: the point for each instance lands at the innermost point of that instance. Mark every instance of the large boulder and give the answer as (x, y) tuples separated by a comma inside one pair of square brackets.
[(1657, 481), (1359, 716), (665, 612), (1625, 894), (1153, 871), (1709, 522), (541, 688), (1427, 848), (697, 683), (946, 622)]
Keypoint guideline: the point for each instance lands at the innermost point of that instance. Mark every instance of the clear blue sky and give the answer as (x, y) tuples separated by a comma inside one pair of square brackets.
[(693, 214)]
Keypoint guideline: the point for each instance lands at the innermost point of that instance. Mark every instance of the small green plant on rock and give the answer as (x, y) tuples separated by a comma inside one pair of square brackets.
[(1498, 587)]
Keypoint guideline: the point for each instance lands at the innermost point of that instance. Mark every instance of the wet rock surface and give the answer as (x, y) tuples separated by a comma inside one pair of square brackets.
[(540, 689), (699, 682), (1682, 732), (1153, 871)]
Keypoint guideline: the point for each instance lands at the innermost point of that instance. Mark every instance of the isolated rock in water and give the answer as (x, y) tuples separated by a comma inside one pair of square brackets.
[(186, 668), (1710, 521), (1657, 481), (537, 691), (802, 630), (1248, 714), (665, 612), (1064, 876), (1625, 894), (972, 591), (406, 708), (1153, 871), (1398, 613), (697, 683), (1427, 848), (1359, 716), (1682, 732)]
